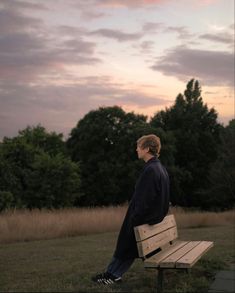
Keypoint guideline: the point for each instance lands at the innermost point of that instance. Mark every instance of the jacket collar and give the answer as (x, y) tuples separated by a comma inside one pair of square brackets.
[(153, 159)]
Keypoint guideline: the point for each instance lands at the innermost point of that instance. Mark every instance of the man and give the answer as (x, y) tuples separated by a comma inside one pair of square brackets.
[(149, 205)]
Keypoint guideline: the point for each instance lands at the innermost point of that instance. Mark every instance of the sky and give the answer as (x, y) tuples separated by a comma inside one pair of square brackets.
[(61, 59)]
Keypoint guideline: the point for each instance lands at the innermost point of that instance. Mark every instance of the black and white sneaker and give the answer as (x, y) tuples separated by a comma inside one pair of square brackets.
[(106, 279)]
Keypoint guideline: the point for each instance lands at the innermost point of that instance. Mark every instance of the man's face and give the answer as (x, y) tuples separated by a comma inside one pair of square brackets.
[(141, 152)]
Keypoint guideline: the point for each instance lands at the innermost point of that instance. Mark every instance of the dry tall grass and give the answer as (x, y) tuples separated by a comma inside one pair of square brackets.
[(24, 225), (190, 219)]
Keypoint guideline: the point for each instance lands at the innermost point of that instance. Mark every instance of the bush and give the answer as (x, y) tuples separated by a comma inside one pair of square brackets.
[(6, 200)]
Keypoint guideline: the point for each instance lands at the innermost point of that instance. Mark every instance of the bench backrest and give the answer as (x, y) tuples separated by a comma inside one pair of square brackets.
[(151, 237)]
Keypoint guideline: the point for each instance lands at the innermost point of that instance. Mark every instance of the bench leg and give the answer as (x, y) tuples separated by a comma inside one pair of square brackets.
[(160, 281)]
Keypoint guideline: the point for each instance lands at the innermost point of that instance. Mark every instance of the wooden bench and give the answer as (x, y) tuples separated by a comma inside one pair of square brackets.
[(159, 249)]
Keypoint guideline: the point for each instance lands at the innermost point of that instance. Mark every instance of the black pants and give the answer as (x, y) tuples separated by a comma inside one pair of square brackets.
[(118, 267)]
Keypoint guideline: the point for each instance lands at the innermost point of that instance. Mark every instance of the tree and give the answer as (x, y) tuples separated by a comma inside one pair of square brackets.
[(6, 200), (53, 183), (35, 171), (221, 192), (99, 144), (16, 158), (196, 131), (38, 137), (104, 144)]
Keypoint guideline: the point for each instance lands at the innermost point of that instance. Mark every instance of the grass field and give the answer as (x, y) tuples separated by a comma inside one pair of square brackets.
[(26, 225), (67, 264)]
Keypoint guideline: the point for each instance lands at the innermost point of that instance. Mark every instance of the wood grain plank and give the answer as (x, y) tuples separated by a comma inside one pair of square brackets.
[(154, 260), (170, 261), (151, 244), (189, 259), (145, 231)]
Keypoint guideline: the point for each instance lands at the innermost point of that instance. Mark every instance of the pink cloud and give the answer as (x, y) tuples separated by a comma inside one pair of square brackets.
[(214, 68), (59, 107), (130, 3), (205, 2), (117, 35)]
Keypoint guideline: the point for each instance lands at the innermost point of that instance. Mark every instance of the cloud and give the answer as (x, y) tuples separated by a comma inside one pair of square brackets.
[(23, 5), (89, 14), (182, 31), (95, 90), (140, 100), (144, 3), (95, 9), (147, 46), (116, 3), (214, 68), (71, 31), (13, 21), (149, 27), (59, 107), (29, 50), (80, 46), (130, 3), (27, 56), (159, 27), (206, 2), (19, 42), (89, 10), (117, 35), (225, 38)]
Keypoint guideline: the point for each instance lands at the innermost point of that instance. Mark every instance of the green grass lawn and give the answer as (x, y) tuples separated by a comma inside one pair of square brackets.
[(68, 264)]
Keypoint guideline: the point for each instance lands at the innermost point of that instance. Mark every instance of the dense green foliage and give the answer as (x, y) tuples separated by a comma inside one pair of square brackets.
[(35, 171), (221, 191), (196, 131), (98, 164), (104, 142)]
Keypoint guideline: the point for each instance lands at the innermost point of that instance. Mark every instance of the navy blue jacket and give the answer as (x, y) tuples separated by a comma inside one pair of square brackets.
[(149, 205)]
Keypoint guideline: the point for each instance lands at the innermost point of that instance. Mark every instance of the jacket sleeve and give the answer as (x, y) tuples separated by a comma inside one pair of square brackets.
[(144, 195)]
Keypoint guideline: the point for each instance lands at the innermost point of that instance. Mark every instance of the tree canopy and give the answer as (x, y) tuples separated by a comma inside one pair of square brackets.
[(221, 188), (98, 164), (35, 171), (104, 143), (196, 131)]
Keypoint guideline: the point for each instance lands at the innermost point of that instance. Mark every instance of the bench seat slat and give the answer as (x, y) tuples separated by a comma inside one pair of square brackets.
[(148, 245), (174, 253), (189, 259), (145, 231), (154, 260), (170, 261)]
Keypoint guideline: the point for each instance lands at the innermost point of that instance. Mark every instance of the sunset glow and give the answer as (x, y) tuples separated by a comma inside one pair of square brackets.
[(61, 59)]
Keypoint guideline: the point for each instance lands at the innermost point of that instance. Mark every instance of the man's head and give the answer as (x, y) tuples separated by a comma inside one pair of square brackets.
[(148, 146)]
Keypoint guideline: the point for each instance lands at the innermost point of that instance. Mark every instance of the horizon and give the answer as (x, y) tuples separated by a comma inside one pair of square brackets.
[(66, 136), (60, 62)]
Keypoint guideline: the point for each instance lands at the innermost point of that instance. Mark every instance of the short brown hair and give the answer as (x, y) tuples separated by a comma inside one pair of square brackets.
[(152, 142)]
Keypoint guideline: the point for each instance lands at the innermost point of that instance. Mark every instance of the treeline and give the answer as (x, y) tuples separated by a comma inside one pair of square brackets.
[(98, 165)]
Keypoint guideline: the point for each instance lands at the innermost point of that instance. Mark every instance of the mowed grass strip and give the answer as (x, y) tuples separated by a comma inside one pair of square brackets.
[(67, 264)]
